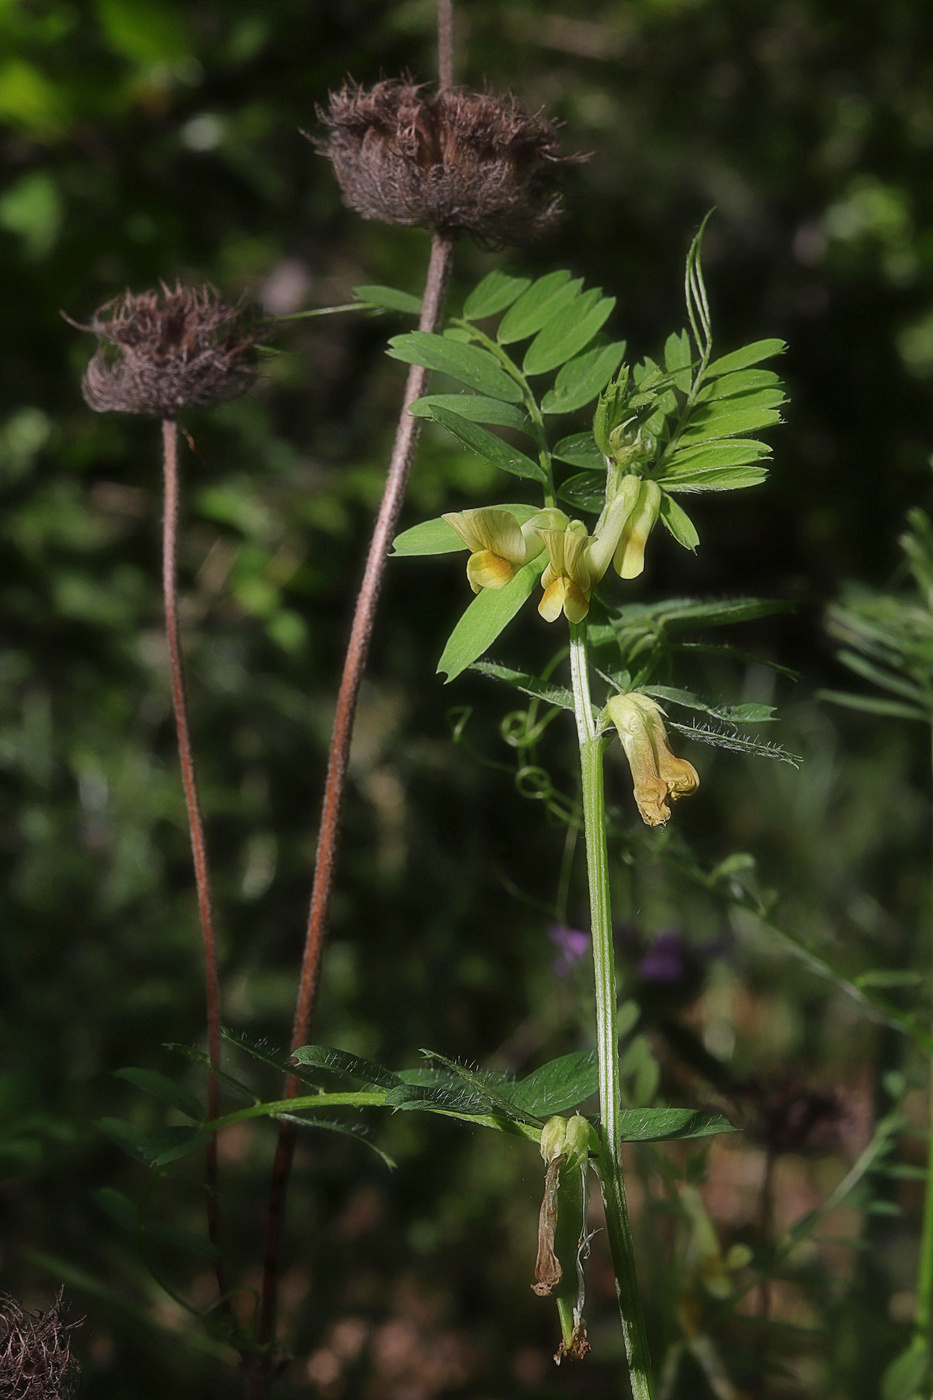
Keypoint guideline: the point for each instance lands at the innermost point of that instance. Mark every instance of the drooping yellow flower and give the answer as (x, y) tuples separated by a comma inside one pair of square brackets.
[(629, 557), (659, 776), (568, 578), (577, 560), (498, 544)]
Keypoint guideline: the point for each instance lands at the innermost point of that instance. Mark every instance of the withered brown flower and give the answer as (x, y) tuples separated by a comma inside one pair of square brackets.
[(35, 1352), (448, 161), (174, 348)]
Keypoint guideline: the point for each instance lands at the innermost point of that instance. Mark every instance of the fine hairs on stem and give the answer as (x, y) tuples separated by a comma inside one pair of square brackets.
[(193, 809)]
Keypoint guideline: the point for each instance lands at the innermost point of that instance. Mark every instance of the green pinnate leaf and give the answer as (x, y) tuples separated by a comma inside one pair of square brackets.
[(497, 291), (678, 523), (559, 1085), (489, 614), (580, 450), (745, 381), (678, 358), (724, 419), (583, 378), (529, 685), (538, 305), (389, 299), (713, 478), (670, 1124), (470, 364), (486, 444), (748, 355), (568, 333), (346, 1065), (476, 407), (583, 492)]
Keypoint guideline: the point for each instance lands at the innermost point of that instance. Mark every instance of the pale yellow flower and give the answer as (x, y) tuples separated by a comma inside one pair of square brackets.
[(577, 561), (629, 557), (498, 544), (659, 776)]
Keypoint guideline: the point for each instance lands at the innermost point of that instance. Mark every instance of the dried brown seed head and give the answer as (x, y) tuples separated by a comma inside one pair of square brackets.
[(35, 1355), (167, 350), (448, 161)]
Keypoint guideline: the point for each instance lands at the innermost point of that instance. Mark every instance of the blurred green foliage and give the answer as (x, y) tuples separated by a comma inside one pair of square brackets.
[(147, 140)]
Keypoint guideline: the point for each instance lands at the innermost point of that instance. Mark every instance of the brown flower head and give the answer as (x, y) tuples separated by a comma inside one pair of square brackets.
[(162, 351), (454, 160), (35, 1355)]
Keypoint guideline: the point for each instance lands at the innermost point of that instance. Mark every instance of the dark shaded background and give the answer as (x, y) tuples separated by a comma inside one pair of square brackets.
[(147, 140)]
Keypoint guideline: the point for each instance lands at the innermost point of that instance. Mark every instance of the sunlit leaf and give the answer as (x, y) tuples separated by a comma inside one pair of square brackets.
[(497, 290), (471, 365), (748, 355), (537, 305), (476, 407), (490, 612), (561, 1084), (568, 333), (583, 378)]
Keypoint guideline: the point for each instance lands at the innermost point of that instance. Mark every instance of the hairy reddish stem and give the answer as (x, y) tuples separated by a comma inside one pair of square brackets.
[(406, 440), (193, 808), (445, 44)]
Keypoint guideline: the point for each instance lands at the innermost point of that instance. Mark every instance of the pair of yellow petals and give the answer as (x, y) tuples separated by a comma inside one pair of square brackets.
[(499, 546)]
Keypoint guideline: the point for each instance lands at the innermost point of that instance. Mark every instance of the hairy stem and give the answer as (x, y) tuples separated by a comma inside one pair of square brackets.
[(609, 1164), (445, 45), (406, 440), (193, 808)]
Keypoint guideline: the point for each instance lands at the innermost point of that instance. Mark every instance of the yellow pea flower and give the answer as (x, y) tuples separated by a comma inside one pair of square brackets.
[(659, 776), (577, 561), (498, 544), (629, 557)]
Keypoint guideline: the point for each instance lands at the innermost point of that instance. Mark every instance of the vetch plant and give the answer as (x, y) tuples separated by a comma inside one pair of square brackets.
[(528, 354), (659, 429)]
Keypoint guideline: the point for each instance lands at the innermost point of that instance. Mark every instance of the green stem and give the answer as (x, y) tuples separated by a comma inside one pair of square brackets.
[(609, 1163)]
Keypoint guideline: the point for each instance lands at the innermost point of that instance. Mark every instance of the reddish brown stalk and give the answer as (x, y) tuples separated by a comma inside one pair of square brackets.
[(193, 808), (445, 44), (406, 440)]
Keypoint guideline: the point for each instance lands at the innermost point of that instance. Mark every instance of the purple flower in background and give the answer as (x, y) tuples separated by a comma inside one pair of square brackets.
[(664, 961), (571, 944)]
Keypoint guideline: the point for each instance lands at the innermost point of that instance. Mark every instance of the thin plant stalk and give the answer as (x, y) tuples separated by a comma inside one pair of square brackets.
[(406, 441), (609, 1164), (193, 808)]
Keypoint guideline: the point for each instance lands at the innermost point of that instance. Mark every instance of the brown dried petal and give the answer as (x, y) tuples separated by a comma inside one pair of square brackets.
[(167, 350), (454, 160), (35, 1354), (548, 1271)]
